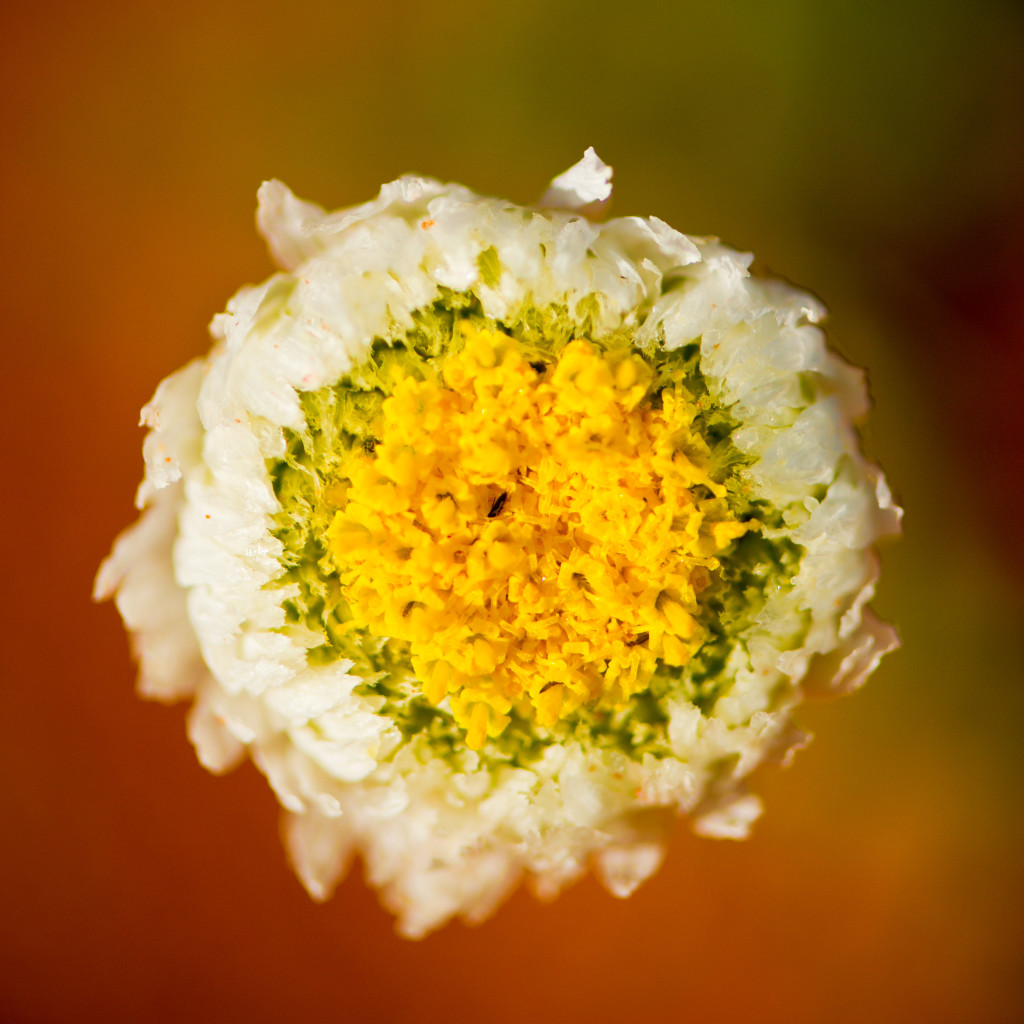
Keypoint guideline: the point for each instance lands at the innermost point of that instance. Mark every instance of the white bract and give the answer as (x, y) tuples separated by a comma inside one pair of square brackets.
[(449, 831)]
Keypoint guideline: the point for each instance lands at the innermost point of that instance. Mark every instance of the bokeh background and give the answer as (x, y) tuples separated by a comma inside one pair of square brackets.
[(871, 150)]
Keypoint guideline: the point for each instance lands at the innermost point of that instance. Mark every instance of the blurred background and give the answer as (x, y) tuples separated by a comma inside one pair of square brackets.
[(870, 150)]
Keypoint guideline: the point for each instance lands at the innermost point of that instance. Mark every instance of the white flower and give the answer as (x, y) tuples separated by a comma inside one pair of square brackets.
[(497, 537)]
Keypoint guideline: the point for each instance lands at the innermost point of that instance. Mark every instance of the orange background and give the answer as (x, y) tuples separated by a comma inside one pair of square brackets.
[(871, 151)]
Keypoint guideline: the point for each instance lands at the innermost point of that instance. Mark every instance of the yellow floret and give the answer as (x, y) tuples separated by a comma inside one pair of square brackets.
[(534, 537)]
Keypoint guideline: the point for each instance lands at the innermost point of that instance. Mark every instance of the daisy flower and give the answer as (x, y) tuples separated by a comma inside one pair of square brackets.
[(498, 537)]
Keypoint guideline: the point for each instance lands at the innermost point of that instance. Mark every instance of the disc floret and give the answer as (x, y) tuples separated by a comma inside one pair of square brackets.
[(539, 533)]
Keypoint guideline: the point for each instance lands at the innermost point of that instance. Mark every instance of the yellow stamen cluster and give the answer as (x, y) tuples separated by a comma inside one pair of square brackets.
[(532, 532)]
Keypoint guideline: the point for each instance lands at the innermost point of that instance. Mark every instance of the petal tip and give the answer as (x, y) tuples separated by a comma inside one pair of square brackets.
[(587, 181)]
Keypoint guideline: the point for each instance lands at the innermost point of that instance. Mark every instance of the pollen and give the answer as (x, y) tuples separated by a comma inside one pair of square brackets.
[(539, 535)]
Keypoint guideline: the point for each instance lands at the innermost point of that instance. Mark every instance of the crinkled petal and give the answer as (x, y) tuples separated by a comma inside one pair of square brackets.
[(586, 182)]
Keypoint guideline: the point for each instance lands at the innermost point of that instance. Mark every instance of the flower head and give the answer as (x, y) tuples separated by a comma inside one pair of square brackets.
[(497, 537)]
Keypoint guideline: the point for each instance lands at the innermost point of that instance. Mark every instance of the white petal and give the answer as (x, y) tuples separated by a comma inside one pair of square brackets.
[(588, 181), (730, 818), (320, 849), (622, 869)]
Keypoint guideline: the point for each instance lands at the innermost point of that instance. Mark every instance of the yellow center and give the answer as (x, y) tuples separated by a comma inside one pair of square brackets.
[(535, 534)]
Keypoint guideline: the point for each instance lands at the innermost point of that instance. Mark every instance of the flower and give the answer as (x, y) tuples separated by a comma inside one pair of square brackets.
[(497, 537)]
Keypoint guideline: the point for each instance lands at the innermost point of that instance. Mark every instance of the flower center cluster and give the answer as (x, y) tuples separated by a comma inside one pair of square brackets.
[(539, 533)]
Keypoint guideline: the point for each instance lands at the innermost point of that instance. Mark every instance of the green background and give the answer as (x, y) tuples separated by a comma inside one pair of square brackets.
[(870, 151)]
